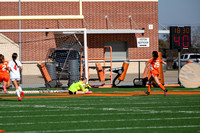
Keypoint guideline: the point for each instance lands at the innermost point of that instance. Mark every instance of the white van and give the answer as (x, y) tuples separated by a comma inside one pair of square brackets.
[(192, 57)]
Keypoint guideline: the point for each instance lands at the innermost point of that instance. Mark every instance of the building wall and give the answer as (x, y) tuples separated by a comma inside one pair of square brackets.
[(7, 47), (35, 45)]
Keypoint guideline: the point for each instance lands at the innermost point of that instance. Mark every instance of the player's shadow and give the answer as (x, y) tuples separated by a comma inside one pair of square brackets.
[(140, 95), (8, 100)]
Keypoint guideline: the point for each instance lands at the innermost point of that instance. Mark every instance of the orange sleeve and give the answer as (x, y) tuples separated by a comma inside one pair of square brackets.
[(150, 61), (161, 61)]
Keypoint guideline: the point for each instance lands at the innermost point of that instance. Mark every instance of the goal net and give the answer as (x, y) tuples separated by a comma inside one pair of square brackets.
[(65, 62)]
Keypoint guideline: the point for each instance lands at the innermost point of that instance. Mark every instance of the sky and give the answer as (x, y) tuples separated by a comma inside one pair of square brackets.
[(179, 12)]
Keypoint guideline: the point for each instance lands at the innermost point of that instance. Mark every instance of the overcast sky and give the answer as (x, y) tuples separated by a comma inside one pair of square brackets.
[(179, 12)]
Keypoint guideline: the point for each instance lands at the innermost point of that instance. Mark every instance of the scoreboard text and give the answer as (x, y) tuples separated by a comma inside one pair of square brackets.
[(180, 37)]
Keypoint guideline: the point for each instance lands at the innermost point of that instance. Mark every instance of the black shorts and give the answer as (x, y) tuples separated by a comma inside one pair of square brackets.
[(72, 93)]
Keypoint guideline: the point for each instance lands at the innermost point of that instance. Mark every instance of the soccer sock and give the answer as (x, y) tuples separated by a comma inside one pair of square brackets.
[(18, 93), (19, 88), (4, 87), (149, 87), (161, 86)]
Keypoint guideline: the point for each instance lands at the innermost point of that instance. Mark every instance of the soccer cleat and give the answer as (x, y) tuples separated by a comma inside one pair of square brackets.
[(166, 92), (4, 89), (146, 92), (89, 92), (10, 86), (22, 94), (19, 99)]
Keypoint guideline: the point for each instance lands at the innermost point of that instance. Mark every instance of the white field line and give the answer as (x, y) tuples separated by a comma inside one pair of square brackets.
[(102, 99), (100, 102), (100, 121), (104, 104), (109, 129), (102, 114), (37, 91), (77, 105), (63, 108)]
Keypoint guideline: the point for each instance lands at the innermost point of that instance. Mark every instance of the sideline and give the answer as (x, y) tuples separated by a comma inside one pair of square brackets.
[(111, 93)]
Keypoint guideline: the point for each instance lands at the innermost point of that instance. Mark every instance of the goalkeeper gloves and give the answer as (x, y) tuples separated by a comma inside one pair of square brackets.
[(87, 86)]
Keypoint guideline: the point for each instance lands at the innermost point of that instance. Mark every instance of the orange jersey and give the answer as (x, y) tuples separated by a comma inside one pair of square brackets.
[(155, 64), (4, 74)]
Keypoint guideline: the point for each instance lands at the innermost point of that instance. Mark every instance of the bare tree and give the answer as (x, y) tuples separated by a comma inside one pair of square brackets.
[(196, 37)]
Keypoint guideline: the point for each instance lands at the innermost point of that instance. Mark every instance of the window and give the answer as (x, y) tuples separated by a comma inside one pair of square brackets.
[(186, 56), (182, 56), (195, 56), (119, 50)]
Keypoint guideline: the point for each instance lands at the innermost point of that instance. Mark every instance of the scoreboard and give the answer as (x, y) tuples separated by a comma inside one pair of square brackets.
[(180, 37)]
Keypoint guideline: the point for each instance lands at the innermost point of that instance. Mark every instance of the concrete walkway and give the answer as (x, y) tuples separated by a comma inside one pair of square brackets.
[(37, 81)]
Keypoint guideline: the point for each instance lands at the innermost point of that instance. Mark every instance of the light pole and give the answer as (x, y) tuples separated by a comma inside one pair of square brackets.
[(19, 32), (20, 38)]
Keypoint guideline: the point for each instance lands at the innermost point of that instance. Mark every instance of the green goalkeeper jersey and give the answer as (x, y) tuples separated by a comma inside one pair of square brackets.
[(77, 86)]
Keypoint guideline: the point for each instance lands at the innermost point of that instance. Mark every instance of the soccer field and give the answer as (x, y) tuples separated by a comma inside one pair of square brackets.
[(107, 110)]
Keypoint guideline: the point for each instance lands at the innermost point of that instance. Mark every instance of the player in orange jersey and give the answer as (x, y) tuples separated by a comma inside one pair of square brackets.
[(4, 74), (155, 64)]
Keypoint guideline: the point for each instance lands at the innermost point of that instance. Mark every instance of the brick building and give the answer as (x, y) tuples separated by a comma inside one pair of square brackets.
[(129, 15)]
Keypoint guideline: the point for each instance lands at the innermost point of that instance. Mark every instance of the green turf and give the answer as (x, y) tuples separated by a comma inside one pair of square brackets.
[(100, 114)]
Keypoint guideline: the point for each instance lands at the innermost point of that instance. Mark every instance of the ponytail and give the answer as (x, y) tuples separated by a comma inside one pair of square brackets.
[(1, 58), (14, 57)]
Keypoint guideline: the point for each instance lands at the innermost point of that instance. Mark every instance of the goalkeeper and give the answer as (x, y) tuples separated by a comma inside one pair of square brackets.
[(78, 87)]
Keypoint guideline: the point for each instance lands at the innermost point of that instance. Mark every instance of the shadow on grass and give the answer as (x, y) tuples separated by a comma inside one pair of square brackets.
[(125, 86), (9, 100), (140, 95)]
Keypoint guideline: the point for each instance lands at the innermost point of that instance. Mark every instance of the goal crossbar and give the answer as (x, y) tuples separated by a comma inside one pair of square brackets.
[(82, 30), (44, 17)]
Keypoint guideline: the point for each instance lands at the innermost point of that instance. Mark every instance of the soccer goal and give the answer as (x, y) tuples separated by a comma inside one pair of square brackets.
[(71, 48)]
